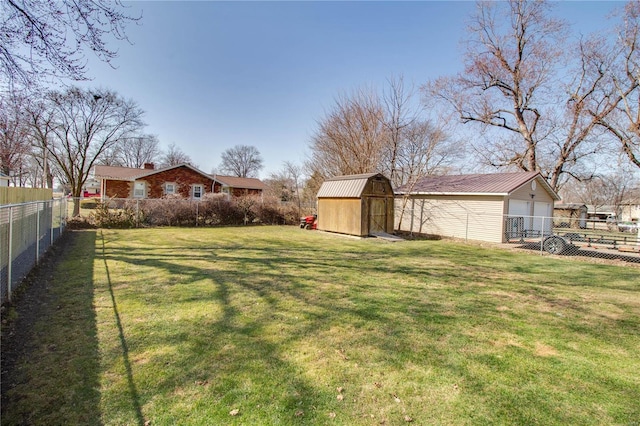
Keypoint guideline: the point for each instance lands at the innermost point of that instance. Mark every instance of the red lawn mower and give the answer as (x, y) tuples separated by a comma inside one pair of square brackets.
[(309, 222)]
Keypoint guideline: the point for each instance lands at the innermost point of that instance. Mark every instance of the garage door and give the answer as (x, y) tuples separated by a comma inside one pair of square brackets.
[(542, 217)]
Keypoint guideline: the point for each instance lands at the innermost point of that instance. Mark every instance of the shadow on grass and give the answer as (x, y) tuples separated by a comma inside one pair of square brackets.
[(580, 251), (50, 358), (135, 399), (333, 309)]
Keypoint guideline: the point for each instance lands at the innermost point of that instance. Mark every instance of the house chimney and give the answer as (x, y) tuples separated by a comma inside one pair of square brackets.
[(149, 166)]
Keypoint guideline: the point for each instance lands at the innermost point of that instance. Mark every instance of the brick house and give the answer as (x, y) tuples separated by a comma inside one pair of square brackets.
[(183, 179)]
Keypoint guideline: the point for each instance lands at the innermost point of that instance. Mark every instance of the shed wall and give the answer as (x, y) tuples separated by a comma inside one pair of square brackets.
[(468, 217), (342, 215)]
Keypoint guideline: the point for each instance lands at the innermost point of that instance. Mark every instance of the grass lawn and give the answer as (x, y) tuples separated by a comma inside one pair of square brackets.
[(281, 326)]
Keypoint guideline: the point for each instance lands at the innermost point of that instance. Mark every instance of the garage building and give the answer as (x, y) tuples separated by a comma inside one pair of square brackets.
[(496, 207)]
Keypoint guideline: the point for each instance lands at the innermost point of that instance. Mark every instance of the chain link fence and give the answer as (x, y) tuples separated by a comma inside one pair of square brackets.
[(27, 230), (582, 237)]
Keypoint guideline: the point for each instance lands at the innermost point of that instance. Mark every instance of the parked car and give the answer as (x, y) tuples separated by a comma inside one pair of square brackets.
[(628, 227)]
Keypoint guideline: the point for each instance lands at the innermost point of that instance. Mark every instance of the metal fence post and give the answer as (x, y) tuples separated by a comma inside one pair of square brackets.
[(10, 254), (466, 229), (542, 234), (37, 232)]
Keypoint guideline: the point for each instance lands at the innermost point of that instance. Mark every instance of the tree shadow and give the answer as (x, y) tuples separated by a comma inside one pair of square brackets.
[(50, 355)]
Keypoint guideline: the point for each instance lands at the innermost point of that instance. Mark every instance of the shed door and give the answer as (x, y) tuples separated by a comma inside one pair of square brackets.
[(377, 215), (519, 208)]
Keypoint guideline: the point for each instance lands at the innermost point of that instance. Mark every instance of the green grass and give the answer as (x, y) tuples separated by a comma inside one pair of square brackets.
[(182, 326)]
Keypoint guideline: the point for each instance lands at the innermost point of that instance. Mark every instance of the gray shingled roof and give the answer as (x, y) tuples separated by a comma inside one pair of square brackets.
[(350, 186), (491, 183)]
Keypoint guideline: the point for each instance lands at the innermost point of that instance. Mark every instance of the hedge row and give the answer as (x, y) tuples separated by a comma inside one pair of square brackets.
[(213, 210)]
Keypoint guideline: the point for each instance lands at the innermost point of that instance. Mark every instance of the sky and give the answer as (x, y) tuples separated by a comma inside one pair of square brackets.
[(212, 75)]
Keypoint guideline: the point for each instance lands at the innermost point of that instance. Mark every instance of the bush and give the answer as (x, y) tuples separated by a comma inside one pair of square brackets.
[(174, 210), (105, 216), (89, 203)]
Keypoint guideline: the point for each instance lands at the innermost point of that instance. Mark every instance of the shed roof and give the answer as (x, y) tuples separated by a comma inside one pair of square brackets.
[(349, 186), (475, 184)]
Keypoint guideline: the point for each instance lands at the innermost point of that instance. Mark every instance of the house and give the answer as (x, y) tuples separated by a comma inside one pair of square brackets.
[(358, 205), (238, 186), (494, 207), (630, 211), (4, 179), (182, 179)]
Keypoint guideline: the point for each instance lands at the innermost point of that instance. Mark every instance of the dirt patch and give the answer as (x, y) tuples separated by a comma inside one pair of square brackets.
[(33, 301)]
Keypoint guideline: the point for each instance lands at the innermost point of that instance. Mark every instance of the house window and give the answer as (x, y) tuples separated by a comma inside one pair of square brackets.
[(139, 189), (169, 188), (197, 192)]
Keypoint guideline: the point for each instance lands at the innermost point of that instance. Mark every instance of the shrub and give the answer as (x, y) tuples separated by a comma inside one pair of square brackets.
[(105, 216)]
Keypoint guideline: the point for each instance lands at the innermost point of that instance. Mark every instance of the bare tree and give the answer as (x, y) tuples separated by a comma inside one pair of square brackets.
[(241, 161), (623, 83), (138, 150), (14, 143), (514, 88), (607, 190), (351, 138), (85, 124), (174, 156), (41, 39)]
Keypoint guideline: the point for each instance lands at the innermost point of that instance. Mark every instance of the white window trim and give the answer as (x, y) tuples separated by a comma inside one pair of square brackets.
[(144, 190), (193, 191), (174, 191)]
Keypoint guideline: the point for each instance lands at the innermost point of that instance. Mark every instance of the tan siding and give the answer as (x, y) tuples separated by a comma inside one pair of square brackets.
[(340, 215), (525, 191), (468, 217)]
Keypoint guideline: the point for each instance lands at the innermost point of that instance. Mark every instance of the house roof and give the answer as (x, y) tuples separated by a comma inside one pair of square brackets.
[(131, 174), (349, 186), (475, 184), (238, 182), (118, 173)]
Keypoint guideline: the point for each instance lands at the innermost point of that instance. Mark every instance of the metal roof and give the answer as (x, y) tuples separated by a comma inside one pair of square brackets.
[(475, 184), (350, 186)]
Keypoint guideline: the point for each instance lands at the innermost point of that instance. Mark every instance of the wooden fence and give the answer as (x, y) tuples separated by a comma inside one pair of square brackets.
[(14, 195)]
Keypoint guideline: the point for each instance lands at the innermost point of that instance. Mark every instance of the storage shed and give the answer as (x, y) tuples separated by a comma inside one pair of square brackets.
[(495, 207), (356, 205)]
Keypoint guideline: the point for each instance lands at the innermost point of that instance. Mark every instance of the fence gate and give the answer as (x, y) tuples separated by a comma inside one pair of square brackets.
[(514, 228)]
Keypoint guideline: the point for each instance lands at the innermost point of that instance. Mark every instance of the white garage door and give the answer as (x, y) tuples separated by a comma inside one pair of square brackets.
[(542, 217)]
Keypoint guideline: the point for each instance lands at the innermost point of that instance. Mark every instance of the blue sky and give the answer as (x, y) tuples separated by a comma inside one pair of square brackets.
[(212, 75)]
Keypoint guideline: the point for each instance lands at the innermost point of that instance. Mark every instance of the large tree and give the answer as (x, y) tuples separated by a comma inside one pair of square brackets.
[(386, 132), (48, 39), (517, 87), (352, 137), (623, 84), (241, 161), (85, 124)]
